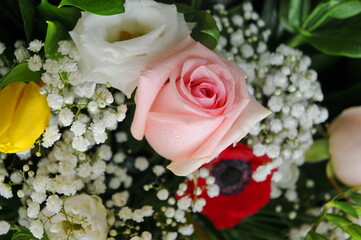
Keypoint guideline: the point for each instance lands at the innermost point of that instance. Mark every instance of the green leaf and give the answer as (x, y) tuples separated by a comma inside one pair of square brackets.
[(20, 73), (100, 7), (356, 197), (315, 236), (283, 16), (206, 31), (347, 207), (291, 13), (55, 33), (271, 16), (354, 230), (332, 8), (184, 8), (27, 9), (340, 42), (346, 9), (318, 15), (318, 151), (25, 234), (339, 221), (68, 16)]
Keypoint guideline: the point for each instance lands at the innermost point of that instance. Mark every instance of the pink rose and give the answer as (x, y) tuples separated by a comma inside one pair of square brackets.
[(345, 146), (191, 105)]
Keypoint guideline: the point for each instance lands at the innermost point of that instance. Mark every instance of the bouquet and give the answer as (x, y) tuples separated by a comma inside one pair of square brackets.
[(147, 119)]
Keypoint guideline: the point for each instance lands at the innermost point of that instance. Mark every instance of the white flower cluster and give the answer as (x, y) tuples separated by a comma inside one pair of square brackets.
[(77, 217), (243, 37), (169, 216), (283, 82), (21, 54), (69, 97), (62, 174), (4, 227), (188, 201), (76, 158), (4, 69)]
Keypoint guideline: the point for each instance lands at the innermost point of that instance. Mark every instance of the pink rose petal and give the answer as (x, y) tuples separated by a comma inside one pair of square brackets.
[(192, 104)]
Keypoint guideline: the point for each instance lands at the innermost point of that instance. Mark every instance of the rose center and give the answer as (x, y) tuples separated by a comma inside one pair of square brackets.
[(206, 92), (124, 35), (202, 90), (232, 176), (69, 226)]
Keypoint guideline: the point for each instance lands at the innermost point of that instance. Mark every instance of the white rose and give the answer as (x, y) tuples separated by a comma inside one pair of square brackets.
[(116, 48), (86, 216)]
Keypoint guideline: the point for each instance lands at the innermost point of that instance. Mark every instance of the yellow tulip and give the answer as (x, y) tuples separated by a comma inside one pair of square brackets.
[(24, 114)]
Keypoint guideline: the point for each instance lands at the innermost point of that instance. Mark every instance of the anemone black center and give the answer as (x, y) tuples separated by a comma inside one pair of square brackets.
[(232, 176)]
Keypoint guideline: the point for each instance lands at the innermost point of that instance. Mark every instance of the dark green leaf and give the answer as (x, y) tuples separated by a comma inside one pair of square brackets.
[(100, 7), (294, 13), (206, 30), (332, 8), (270, 14), (55, 33), (346, 9), (27, 9), (184, 8), (306, 5), (24, 234), (318, 151), (356, 197), (347, 207), (318, 15), (315, 236), (339, 42), (20, 73), (67, 16), (283, 15)]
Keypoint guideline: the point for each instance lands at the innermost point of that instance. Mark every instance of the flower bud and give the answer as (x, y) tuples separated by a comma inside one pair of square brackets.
[(23, 117), (344, 146)]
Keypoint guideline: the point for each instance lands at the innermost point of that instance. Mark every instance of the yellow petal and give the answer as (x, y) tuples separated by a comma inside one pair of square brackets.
[(29, 117), (9, 100)]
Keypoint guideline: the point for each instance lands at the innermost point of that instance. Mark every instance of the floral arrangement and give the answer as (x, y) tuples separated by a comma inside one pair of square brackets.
[(147, 119)]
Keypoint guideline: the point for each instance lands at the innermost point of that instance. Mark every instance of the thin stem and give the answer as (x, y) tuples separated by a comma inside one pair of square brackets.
[(296, 41), (328, 205)]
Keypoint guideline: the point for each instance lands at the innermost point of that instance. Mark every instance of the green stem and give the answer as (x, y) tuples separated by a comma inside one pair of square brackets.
[(296, 41)]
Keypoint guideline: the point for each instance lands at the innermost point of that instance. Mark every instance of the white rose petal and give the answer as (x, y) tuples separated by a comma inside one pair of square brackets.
[(77, 207), (152, 28)]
